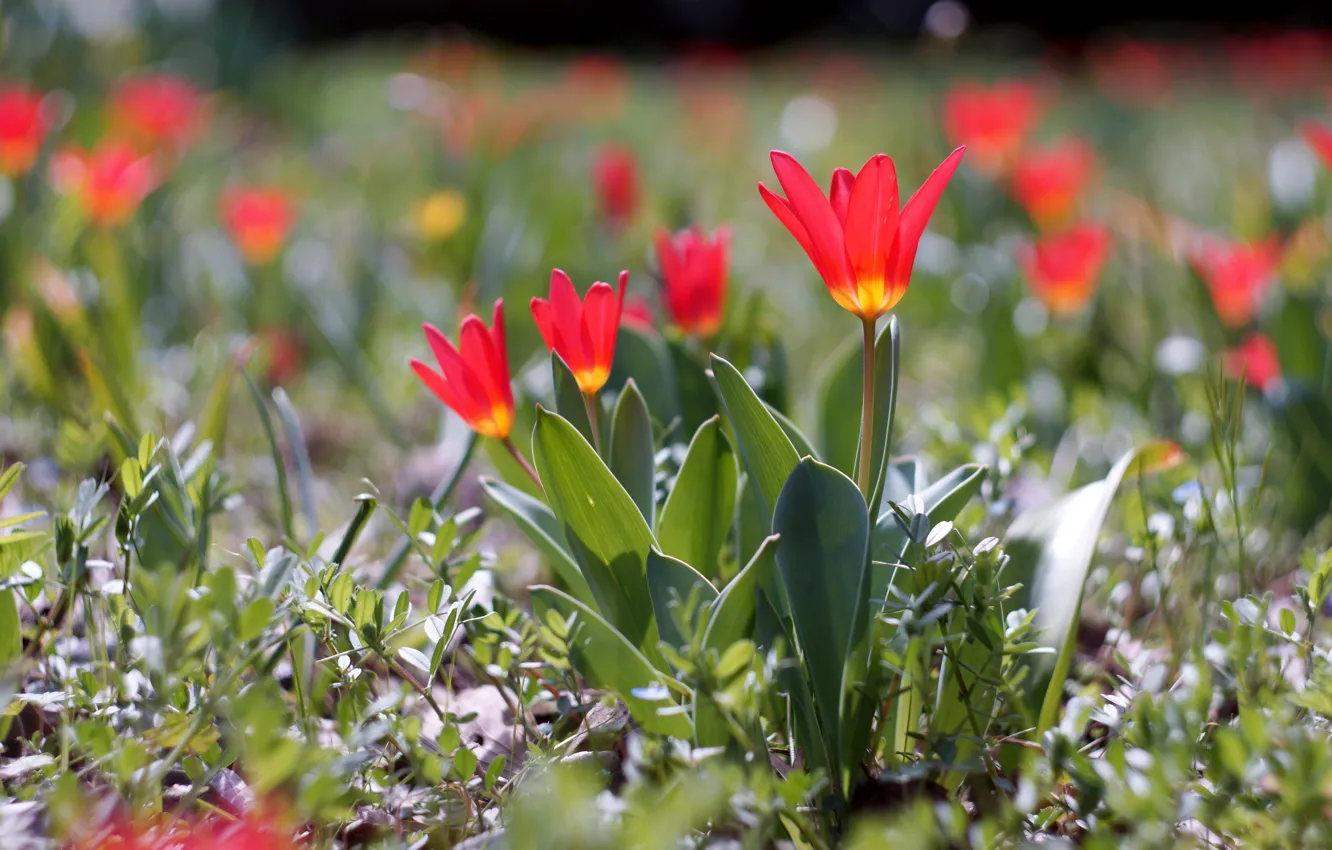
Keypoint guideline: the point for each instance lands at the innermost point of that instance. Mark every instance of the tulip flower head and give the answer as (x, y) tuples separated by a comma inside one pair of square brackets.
[(157, 112), (1237, 276), (615, 177), (1063, 269), (862, 245), (1049, 182), (1319, 139), (108, 183), (258, 221), (23, 126), (583, 332), (693, 275), (993, 121), (1255, 361), (473, 380)]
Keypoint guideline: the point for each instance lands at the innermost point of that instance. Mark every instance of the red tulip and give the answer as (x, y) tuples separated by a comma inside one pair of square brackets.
[(108, 183), (861, 244), (157, 111), (638, 312), (597, 87), (285, 355), (1135, 73), (254, 831), (992, 121), (693, 273), (1319, 139), (475, 380), (615, 176), (23, 126), (582, 333), (1255, 361), (1236, 275), (1049, 182), (258, 220), (1063, 269)]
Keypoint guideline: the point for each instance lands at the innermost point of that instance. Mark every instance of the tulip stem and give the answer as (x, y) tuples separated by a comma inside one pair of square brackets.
[(522, 461), (594, 418), (867, 411)]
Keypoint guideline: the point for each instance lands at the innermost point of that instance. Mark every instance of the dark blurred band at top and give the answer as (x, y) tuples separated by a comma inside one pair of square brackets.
[(669, 24)]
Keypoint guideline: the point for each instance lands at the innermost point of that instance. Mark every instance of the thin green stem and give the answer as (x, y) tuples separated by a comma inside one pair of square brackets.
[(867, 412), (522, 461), (594, 419)]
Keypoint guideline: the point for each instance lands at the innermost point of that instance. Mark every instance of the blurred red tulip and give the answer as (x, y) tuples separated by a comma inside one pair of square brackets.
[(638, 312), (1319, 139), (1255, 361), (992, 121), (258, 221), (285, 355), (582, 333), (475, 382), (1236, 275), (108, 183), (23, 127), (254, 831), (1063, 269), (1135, 73), (1279, 64), (1048, 182), (693, 274), (861, 244), (597, 86), (615, 177), (158, 112)]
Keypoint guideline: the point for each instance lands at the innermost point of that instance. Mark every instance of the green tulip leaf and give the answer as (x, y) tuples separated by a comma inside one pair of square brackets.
[(701, 506), (1050, 551), (641, 355), (671, 584), (734, 610), (698, 404), (632, 452), (824, 564), (538, 522), (803, 447), (604, 529), (569, 400), (767, 452)]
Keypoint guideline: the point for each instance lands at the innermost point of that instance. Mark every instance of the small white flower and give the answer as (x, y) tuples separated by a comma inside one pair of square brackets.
[(938, 534), (986, 545)]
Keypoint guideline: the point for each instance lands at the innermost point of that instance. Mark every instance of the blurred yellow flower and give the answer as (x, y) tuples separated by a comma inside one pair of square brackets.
[(1305, 255), (441, 214)]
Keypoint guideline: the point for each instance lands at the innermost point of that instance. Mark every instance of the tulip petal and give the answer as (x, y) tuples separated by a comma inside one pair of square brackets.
[(436, 383), (782, 209), (545, 322), (600, 322), (479, 352), (567, 311), (668, 258), (871, 226), (468, 389), (840, 194), (816, 214), (916, 214)]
